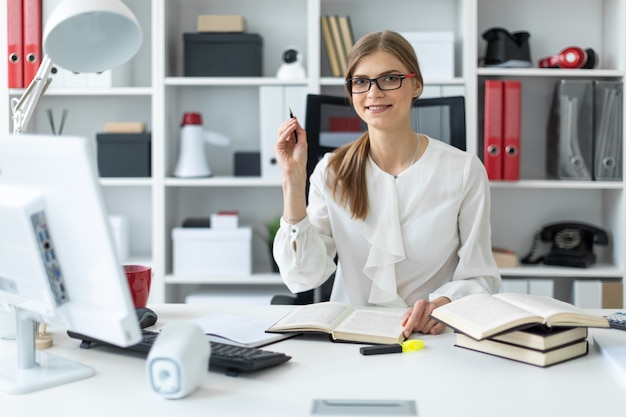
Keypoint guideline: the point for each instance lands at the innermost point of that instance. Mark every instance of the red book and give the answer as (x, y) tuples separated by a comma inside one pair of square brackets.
[(511, 129), (15, 45), (32, 39), (345, 124), (493, 129)]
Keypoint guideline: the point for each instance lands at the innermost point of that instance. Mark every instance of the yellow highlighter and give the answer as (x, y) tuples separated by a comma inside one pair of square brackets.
[(406, 346)]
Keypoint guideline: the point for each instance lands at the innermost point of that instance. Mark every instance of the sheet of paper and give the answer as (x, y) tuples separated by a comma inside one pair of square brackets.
[(612, 345), (239, 330)]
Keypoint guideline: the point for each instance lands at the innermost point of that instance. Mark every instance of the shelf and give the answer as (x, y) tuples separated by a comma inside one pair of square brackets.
[(546, 271), (223, 182), (557, 184), (548, 72), (126, 182), (231, 81), (266, 278), (90, 92)]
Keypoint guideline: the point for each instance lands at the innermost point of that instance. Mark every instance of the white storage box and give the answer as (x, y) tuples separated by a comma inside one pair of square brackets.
[(435, 53), (206, 251)]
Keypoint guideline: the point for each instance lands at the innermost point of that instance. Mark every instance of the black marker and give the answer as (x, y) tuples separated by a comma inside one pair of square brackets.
[(295, 134), (406, 346)]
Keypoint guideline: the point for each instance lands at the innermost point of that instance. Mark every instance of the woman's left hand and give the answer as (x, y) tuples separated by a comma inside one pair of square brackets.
[(417, 318)]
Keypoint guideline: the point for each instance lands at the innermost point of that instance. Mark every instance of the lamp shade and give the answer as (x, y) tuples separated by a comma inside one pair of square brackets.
[(91, 35)]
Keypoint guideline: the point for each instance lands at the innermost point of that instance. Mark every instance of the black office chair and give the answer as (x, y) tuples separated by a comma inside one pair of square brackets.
[(331, 121)]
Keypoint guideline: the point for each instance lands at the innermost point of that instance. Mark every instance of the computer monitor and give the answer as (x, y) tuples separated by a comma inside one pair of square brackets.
[(58, 263), (331, 121)]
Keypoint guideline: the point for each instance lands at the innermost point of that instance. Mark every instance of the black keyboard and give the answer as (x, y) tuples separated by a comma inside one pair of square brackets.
[(617, 320), (234, 359)]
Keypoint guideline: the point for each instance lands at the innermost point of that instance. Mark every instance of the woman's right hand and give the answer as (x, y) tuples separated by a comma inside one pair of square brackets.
[(291, 153)]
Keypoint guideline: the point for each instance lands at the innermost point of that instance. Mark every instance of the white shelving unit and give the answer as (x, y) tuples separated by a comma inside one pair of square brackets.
[(519, 209), (160, 94)]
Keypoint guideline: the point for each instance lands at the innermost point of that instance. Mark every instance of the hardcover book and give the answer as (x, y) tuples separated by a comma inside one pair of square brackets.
[(483, 315), (543, 338), (343, 323), (522, 354)]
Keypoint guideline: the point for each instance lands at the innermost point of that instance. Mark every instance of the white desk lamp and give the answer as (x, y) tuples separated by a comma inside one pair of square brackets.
[(80, 36)]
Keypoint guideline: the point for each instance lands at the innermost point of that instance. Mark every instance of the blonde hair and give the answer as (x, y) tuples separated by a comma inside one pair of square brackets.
[(347, 163)]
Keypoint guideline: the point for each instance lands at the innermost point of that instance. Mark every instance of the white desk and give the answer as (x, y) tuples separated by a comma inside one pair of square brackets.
[(443, 380)]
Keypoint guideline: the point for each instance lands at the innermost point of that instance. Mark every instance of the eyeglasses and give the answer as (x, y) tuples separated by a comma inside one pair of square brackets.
[(384, 82)]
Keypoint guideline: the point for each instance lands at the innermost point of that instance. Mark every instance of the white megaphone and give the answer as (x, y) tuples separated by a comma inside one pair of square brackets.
[(192, 161)]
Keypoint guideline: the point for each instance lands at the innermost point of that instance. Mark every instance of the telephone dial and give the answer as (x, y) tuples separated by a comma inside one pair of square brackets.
[(571, 244)]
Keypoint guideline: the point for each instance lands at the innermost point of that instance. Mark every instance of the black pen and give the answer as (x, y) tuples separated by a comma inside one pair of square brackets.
[(295, 134)]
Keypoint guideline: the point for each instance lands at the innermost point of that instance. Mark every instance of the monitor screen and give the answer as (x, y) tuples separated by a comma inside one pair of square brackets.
[(58, 262), (331, 121)]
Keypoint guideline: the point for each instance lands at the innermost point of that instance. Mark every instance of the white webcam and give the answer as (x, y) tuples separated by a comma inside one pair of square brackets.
[(178, 360), (291, 67)]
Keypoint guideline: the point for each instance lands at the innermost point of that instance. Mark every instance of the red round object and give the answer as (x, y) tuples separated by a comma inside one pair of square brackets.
[(191, 118)]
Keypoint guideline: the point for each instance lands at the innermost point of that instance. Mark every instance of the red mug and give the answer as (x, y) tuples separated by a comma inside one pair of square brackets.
[(139, 280)]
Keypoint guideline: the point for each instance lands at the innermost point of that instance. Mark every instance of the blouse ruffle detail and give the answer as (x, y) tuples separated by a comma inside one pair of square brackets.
[(384, 237)]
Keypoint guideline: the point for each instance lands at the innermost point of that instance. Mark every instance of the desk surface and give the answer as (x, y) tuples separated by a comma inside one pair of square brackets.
[(443, 380)]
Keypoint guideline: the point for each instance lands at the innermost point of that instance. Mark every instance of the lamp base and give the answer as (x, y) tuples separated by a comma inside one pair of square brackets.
[(49, 371)]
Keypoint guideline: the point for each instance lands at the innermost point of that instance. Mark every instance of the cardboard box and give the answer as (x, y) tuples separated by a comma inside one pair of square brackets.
[(215, 252), (124, 154), (612, 294), (223, 55), (221, 23), (435, 53)]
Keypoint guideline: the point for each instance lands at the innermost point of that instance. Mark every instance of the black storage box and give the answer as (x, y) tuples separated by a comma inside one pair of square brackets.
[(247, 164), (124, 154), (223, 55)]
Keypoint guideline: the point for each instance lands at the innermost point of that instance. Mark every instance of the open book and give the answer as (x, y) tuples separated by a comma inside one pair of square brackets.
[(343, 323), (483, 315)]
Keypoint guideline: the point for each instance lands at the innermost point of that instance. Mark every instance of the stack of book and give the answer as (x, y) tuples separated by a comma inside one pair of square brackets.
[(533, 329), (338, 40)]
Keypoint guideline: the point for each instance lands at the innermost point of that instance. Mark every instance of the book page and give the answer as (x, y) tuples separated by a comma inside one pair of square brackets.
[(376, 323), (549, 308), (236, 330), (324, 315), (541, 306), (482, 315)]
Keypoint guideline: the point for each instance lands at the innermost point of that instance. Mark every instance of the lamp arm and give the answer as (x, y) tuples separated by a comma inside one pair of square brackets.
[(23, 108)]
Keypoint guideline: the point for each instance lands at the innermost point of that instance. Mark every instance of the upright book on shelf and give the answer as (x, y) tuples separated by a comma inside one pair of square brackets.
[(511, 129), (608, 122), (15, 46), (32, 39), (347, 38), (331, 49), (493, 129), (339, 45), (570, 131)]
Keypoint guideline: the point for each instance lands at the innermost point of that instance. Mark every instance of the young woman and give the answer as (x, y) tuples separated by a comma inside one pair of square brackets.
[(406, 215)]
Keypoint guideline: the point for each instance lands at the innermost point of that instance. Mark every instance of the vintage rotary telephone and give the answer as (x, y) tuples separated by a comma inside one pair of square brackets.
[(571, 244)]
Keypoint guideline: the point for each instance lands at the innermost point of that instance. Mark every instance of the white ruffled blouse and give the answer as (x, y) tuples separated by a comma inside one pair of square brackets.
[(427, 234)]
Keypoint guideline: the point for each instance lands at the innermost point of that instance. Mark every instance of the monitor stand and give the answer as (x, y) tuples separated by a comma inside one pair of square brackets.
[(29, 370)]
